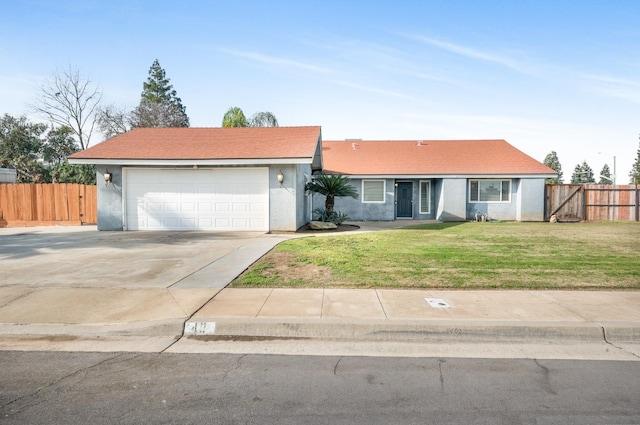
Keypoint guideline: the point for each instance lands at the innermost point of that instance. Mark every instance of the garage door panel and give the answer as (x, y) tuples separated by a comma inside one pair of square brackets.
[(215, 199)]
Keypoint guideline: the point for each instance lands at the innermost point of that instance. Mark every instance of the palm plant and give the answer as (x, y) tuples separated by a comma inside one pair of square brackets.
[(234, 117), (332, 186)]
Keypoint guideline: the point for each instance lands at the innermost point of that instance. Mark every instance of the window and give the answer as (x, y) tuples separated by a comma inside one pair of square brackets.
[(490, 191), (373, 191), (425, 197)]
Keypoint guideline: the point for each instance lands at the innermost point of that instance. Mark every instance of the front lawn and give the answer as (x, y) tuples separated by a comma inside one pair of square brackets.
[(600, 255)]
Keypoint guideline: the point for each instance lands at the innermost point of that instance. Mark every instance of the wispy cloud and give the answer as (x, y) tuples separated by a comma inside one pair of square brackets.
[(276, 61), (499, 58), (612, 80), (614, 87), (373, 89)]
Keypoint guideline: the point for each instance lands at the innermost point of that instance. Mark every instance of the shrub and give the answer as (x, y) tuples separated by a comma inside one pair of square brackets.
[(337, 217)]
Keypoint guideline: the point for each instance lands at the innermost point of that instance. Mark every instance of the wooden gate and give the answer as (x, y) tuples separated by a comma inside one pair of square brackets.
[(578, 202), (25, 204)]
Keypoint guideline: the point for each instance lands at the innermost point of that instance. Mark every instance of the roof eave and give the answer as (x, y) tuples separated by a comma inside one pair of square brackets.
[(450, 176), (189, 162)]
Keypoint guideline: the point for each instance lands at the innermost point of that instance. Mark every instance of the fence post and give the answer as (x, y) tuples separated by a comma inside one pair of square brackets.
[(584, 202), (637, 203)]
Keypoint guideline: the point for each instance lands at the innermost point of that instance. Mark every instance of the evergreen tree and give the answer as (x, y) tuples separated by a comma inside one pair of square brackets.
[(605, 175), (552, 161), (582, 173), (39, 154), (21, 146), (160, 105), (635, 170)]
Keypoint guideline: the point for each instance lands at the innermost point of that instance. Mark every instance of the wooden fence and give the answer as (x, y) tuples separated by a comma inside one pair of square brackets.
[(47, 204), (577, 202)]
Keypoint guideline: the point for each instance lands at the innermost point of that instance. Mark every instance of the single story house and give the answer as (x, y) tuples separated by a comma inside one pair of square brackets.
[(447, 180), (229, 179)]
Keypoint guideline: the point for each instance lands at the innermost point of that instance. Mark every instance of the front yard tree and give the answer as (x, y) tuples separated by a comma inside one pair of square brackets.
[(332, 186), (582, 173), (69, 100), (160, 105), (605, 175), (552, 161), (635, 170)]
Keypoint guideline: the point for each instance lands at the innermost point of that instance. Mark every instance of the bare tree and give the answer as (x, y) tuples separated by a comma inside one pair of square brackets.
[(70, 100), (113, 120), (153, 114)]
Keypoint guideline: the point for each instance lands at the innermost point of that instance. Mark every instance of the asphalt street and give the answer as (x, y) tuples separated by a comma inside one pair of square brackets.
[(129, 388)]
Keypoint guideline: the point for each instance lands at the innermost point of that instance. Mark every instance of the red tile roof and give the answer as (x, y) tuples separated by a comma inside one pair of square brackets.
[(428, 157), (207, 143)]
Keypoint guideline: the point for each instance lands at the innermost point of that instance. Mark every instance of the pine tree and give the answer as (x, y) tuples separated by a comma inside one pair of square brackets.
[(160, 105), (582, 173), (552, 161), (605, 175), (635, 170)]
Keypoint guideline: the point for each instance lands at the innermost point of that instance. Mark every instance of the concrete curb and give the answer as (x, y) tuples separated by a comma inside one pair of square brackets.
[(412, 331), (167, 327)]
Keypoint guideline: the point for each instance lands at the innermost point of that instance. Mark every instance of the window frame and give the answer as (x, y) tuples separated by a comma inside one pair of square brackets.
[(384, 191), (502, 192), (428, 198)]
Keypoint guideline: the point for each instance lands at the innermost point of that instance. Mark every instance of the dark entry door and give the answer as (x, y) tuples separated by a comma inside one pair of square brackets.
[(404, 200)]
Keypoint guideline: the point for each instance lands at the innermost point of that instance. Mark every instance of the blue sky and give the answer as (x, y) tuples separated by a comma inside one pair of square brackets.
[(559, 75)]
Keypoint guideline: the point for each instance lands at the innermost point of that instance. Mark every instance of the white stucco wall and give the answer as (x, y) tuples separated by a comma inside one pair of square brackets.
[(452, 200), (531, 197), (110, 211), (286, 200)]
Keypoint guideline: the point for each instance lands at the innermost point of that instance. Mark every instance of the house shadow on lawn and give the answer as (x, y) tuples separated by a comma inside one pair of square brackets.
[(383, 225), (433, 226)]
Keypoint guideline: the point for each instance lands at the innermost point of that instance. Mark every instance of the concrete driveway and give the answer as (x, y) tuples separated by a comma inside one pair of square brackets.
[(78, 281), (83, 257)]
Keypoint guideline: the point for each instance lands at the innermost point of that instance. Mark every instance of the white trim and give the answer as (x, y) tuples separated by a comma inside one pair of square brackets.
[(190, 162), (491, 202), (384, 191), (451, 176), (428, 182)]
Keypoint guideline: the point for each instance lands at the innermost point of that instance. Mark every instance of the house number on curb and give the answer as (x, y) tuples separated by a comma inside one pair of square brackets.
[(200, 328)]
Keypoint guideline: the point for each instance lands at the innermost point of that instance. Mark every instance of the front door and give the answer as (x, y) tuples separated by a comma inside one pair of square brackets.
[(404, 200)]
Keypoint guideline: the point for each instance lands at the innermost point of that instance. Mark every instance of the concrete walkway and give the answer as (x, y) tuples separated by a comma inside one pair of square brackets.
[(191, 312)]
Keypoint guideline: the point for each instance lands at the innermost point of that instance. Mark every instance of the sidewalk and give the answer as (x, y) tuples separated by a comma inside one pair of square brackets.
[(421, 315)]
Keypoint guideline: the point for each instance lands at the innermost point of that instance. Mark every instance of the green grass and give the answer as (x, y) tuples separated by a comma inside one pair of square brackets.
[(599, 255)]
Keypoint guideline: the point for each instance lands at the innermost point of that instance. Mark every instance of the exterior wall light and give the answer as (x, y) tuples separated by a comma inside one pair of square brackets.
[(280, 177), (108, 177)]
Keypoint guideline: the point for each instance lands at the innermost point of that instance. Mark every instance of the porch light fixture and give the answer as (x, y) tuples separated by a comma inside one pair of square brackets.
[(108, 177), (280, 177)]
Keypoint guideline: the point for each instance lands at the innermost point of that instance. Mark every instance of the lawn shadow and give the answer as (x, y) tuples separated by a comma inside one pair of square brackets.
[(433, 226)]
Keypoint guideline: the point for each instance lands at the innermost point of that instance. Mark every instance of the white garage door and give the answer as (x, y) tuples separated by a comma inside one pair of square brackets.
[(210, 199)]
